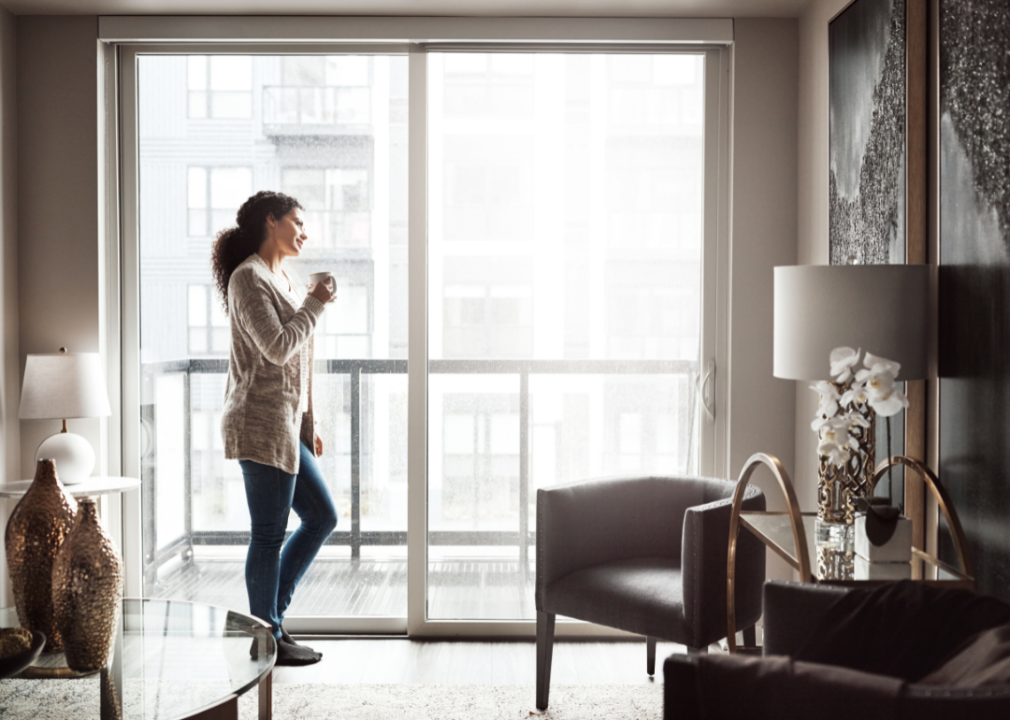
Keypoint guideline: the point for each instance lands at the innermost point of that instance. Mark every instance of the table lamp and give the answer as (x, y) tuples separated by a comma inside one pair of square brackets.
[(65, 385), (879, 308)]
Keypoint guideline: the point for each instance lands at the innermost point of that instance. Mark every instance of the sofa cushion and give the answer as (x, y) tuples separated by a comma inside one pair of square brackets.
[(984, 660)]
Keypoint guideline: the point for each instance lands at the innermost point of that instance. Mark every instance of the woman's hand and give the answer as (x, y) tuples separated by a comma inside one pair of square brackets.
[(322, 293), (319, 445)]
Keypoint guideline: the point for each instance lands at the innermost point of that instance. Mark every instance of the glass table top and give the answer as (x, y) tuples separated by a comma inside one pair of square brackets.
[(830, 557), (173, 658)]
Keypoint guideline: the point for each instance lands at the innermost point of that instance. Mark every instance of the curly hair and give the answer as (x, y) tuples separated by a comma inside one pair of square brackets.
[(235, 244)]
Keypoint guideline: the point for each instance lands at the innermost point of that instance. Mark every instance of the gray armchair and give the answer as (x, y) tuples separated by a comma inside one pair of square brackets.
[(643, 554)]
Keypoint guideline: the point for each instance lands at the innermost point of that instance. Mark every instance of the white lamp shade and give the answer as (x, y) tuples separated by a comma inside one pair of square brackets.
[(64, 385), (880, 309)]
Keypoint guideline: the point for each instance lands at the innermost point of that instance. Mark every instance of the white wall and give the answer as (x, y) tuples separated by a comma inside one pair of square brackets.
[(762, 408), (812, 210), (9, 367), (58, 193)]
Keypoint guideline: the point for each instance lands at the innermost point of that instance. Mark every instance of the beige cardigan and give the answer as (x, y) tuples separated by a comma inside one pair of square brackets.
[(261, 420)]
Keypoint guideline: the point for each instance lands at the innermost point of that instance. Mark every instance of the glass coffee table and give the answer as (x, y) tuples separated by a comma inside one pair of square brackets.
[(172, 659)]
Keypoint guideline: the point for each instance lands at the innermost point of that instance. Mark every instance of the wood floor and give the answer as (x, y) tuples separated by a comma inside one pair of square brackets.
[(465, 589), (465, 662)]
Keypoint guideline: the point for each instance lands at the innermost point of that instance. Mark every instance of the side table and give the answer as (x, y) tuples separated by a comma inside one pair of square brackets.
[(92, 487), (792, 534)]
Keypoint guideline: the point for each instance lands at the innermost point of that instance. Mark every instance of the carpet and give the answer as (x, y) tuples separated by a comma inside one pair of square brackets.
[(78, 699)]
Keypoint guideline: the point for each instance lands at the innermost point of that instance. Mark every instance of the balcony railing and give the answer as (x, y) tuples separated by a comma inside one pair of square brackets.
[(161, 550)]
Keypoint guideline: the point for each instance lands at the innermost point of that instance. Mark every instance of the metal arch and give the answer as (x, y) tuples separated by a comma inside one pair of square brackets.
[(942, 499), (796, 520)]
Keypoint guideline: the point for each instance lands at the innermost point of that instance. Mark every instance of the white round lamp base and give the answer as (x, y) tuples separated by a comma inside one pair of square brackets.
[(73, 455)]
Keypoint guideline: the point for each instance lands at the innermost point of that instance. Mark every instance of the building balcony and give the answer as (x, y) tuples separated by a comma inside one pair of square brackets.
[(298, 111)]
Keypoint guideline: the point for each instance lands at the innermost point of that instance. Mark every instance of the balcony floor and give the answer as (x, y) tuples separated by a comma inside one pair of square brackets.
[(464, 589)]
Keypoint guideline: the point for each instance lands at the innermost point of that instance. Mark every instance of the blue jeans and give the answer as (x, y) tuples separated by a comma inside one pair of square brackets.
[(272, 574)]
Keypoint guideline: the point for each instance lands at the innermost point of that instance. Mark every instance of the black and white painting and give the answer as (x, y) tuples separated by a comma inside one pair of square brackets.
[(867, 133), (974, 288)]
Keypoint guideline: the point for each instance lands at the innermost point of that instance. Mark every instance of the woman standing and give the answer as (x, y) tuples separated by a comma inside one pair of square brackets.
[(267, 423)]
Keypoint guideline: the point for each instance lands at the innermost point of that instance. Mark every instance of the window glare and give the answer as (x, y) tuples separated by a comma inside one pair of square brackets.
[(230, 187), (197, 72), (231, 72)]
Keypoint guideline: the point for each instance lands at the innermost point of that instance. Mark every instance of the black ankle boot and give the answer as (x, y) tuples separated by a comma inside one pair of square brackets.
[(288, 654)]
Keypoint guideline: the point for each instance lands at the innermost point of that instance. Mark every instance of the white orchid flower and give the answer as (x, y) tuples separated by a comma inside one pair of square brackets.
[(885, 399), (837, 454), (829, 399), (855, 394), (875, 365), (837, 429), (843, 359), (878, 379)]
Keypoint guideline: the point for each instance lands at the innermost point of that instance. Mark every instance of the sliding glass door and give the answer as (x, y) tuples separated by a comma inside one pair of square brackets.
[(565, 255), (545, 225), (329, 130)]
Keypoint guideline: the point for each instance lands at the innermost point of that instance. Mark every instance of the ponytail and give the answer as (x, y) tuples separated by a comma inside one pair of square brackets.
[(235, 244)]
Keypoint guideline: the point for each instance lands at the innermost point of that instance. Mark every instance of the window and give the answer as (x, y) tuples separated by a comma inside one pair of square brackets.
[(214, 197), (337, 203), (209, 333), (321, 90), (547, 221), (220, 86)]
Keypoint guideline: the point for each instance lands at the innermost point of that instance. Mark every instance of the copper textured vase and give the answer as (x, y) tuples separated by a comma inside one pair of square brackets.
[(37, 528), (87, 591)]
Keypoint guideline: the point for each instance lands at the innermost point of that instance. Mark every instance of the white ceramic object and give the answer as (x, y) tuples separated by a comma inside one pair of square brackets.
[(73, 455), (866, 570), (896, 550)]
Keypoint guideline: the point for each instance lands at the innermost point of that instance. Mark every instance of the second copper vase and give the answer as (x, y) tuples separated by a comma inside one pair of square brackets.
[(37, 528), (87, 591)]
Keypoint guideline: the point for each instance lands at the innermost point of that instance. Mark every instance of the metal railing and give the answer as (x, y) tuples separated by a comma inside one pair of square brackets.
[(355, 537)]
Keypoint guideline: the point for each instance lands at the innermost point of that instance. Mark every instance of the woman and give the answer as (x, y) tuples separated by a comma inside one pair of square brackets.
[(267, 423)]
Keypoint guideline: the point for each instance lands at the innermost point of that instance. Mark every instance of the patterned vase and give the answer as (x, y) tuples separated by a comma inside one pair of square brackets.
[(36, 529), (87, 591)]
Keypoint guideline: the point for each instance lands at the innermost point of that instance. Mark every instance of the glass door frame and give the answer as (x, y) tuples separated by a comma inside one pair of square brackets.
[(121, 185)]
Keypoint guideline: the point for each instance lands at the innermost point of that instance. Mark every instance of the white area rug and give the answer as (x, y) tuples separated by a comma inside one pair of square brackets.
[(78, 700)]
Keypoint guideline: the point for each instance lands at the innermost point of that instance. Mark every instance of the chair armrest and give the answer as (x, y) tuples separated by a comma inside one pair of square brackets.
[(703, 564), (792, 611), (680, 688), (592, 522)]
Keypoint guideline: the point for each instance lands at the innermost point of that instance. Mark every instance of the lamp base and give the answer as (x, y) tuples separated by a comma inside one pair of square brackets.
[(73, 455)]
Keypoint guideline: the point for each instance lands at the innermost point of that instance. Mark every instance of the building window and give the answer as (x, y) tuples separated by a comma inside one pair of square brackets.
[(321, 90), (346, 332), (220, 86), (215, 195), (337, 204), (487, 321), (208, 325)]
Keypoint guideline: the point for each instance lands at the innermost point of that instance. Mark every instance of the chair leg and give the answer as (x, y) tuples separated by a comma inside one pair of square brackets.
[(545, 650), (750, 636), (650, 656)]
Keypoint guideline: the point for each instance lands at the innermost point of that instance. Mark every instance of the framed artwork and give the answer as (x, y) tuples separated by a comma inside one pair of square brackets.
[(973, 203), (867, 137)]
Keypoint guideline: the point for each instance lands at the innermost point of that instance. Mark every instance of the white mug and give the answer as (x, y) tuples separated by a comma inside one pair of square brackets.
[(325, 277)]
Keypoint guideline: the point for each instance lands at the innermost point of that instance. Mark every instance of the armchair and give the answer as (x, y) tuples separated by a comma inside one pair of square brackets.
[(643, 554)]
